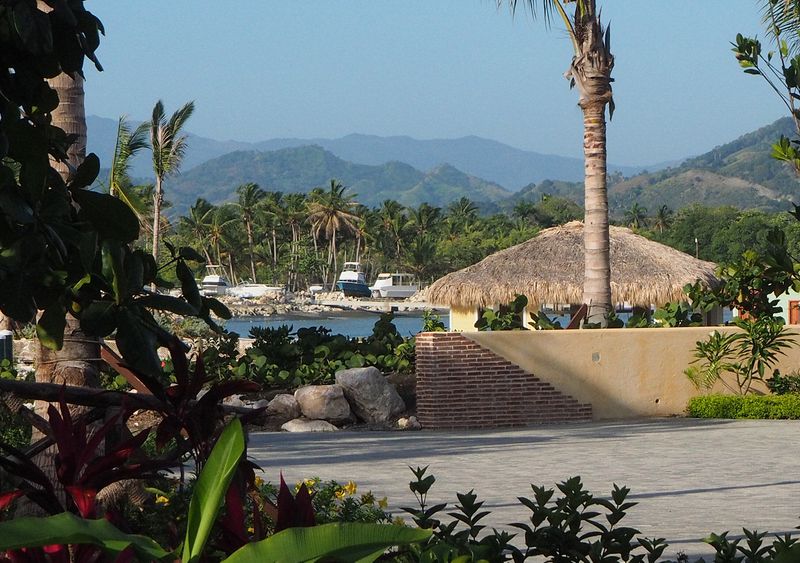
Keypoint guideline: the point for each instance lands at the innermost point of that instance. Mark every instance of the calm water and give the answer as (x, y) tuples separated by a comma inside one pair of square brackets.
[(346, 323)]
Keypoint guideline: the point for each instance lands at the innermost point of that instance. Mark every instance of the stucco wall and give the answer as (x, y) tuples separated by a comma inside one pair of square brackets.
[(622, 373), (463, 320)]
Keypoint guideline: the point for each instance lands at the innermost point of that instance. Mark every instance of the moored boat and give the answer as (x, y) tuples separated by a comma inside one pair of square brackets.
[(215, 282), (254, 290), (394, 285), (352, 281)]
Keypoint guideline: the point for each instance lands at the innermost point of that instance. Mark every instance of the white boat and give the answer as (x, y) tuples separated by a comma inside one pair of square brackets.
[(395, 285), (215, 282), (352, 281), (253, 290)]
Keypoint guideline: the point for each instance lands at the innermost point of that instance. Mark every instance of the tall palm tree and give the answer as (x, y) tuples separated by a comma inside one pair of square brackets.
[(590, 72), (198, 224), (294, 208), (462, 212), (129, 142), (169, 147), (393, 215), (635, 216), (663, 219), (425, 218), (330, 212), (221, 220), (250, 195)]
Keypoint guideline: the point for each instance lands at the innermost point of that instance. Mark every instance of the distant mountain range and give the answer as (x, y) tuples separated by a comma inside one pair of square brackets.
[(484, 158), (302, 168), (740, 173)]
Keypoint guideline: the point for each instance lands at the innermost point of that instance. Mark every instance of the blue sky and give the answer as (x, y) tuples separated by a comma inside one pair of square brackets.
[(260, 69)]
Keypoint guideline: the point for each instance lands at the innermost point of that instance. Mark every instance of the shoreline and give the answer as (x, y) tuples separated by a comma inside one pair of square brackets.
[(304, 304)]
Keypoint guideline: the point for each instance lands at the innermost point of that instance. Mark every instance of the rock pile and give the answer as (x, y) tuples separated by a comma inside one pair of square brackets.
[(359, 395)]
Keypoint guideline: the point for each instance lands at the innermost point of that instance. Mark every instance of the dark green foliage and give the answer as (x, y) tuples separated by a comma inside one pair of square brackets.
[(431, 322), (14, 430), (507, 317), (745, 406), (677, 314), (280, 357), (750, 283), (540, 321), (783, 384), (737, 359)]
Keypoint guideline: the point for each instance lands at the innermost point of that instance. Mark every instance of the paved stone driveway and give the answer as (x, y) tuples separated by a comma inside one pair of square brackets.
[(690, 477)]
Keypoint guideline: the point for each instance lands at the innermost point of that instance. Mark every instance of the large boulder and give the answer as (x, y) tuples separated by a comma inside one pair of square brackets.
[(282, 408), (323, 402), (372, 398), (305, 425)]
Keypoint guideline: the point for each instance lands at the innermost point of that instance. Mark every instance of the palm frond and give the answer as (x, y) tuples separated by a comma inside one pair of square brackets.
[(782, 21)]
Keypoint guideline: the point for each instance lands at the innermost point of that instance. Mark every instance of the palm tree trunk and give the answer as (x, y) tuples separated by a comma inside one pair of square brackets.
[(597, 273), (274, 250), (249, 228), (70, 116), (158, 199)]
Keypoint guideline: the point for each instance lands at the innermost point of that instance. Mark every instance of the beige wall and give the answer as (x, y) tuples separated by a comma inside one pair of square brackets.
[(463, 320), (623, 373)]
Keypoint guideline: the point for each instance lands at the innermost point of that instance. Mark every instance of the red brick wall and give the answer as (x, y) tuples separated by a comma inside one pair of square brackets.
[(462, 385)]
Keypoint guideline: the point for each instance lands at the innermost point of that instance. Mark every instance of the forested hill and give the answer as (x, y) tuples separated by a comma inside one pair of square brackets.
[(300, 169), (740, 173)]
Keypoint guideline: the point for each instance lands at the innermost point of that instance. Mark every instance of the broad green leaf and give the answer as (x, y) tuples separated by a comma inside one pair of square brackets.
[(210, 489), (188, 284), (189, 253), (68, 529), (111, 217), (86, 173), (217, 307), (137, 343), (339, 542), (113, 269), (50, 328), (167, 303), (790, 555), (99, 318)]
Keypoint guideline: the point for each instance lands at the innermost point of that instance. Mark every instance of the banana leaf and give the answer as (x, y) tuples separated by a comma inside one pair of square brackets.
[(339, 542)]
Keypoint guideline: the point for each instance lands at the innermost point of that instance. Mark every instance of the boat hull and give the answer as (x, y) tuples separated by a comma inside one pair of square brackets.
[(354, 289)]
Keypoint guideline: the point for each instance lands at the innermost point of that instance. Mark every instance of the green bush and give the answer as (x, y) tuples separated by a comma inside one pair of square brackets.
[(745, 406)]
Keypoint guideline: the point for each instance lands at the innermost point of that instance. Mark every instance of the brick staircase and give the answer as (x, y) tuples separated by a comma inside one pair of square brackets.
[(463, 385)]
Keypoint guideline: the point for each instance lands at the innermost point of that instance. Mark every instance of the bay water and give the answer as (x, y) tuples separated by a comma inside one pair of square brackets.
[(347, 323)]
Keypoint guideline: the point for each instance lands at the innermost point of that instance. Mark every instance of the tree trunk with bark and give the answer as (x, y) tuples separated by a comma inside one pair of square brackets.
[(158, 200)]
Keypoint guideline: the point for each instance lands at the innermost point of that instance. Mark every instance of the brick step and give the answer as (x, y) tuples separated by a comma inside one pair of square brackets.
[(460, 384)]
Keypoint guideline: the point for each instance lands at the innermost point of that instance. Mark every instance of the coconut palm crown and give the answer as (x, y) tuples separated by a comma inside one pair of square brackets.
[(168, 147)]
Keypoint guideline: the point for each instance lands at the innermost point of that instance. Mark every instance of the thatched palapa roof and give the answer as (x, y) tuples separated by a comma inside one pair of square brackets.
[(549, 269)]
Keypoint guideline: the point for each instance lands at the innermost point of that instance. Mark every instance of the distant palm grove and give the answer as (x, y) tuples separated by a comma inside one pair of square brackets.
[(296, 239)]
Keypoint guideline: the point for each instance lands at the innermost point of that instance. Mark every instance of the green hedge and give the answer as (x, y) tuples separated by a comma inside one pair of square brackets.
[(745, 406)]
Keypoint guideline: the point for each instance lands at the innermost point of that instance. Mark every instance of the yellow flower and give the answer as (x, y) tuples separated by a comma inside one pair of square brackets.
[(340, 494), (251, 529), (350, 488), (383, 503), (161, 499), (398, 521), (309, 483), (259, 482)]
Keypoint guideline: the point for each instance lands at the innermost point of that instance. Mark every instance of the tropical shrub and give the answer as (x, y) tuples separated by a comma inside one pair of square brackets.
[(745, 406), (281, 357), (739, 358), (783, 384), (206, 533), (431, 322), (506, 317)]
